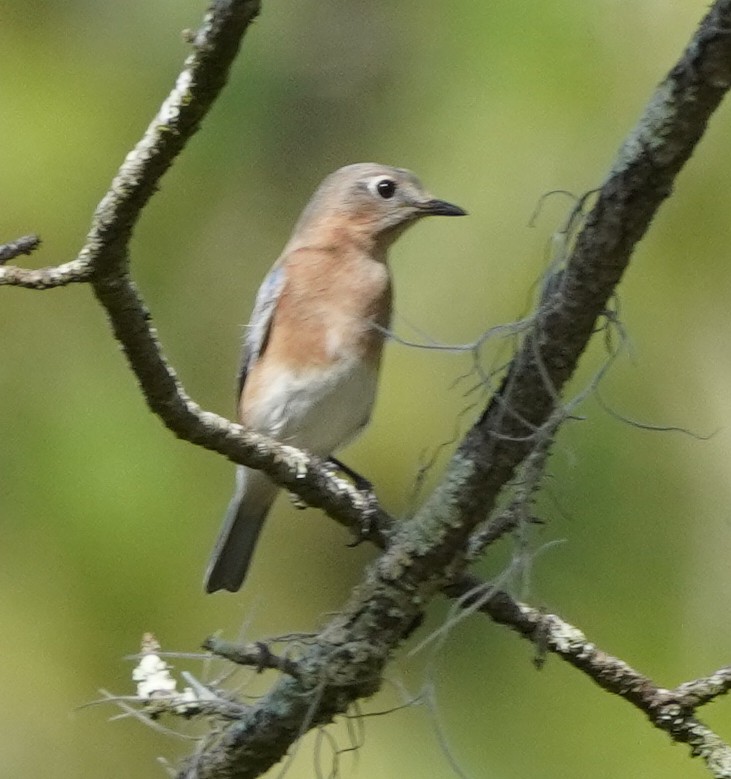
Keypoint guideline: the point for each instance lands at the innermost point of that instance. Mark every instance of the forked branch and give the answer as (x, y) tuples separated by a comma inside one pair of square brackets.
[(429, 553)]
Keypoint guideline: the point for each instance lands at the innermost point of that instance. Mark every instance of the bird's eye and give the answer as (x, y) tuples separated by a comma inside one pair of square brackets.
[(386, 188)]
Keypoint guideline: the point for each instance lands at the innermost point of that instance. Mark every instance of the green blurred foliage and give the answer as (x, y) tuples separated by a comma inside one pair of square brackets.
[(107, 520)]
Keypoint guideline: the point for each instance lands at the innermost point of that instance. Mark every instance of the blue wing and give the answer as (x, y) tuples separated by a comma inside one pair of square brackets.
[(257, 331)]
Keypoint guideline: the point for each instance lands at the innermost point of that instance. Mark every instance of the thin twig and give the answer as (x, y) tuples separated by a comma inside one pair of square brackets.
[(256, 655), (672, 711), (26, 244), (704, 690), (427, 553)]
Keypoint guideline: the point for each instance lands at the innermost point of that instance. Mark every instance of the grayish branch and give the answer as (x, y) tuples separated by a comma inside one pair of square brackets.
[(257, 655), (26, 244), (672, 711), (429, 553), (425, 553), (700, 691)]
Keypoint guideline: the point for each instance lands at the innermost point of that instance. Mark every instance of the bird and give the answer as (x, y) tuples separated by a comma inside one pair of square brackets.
[(312, 349)]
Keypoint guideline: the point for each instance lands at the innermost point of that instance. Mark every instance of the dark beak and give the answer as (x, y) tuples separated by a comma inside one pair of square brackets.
[(441, 208)]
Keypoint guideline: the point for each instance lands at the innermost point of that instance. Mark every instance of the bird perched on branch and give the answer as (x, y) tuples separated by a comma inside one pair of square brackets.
[(313, 346)]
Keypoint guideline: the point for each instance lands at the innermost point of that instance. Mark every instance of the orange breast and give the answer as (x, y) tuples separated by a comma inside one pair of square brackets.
[(329, 305), (326, 314)]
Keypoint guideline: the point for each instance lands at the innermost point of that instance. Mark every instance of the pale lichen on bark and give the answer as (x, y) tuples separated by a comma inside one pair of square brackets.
[(427, 553)]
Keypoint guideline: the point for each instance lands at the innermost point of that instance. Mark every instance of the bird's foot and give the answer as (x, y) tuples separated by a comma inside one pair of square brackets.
[(368, 495), (359, 482), (297, 502)]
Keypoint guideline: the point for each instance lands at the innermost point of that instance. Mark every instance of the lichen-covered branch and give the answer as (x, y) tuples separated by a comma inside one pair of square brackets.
[(73, 272), (704, 690), (640, 179), (215, 46), (40, 278), (103, 261), (673, 711), (257, 655), (427, 554), (26, 244)]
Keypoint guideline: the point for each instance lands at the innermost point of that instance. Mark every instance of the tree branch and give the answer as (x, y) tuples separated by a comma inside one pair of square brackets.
[(428, 553), (425, 552), (73, 272), (670, 710), (640, 179), (26, 244), (257, 655), (701, 691)]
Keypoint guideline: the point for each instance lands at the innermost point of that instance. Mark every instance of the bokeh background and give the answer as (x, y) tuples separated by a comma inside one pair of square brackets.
[(106, 520)]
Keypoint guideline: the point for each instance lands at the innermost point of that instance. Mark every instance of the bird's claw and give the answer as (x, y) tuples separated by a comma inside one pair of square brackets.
[(297, 502), (367, 495), (370, 503)]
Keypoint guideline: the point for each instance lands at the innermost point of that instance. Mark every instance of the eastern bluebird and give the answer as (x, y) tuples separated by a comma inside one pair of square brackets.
[(313, 346)]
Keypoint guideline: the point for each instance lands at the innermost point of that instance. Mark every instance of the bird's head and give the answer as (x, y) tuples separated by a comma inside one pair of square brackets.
[(375, 201)]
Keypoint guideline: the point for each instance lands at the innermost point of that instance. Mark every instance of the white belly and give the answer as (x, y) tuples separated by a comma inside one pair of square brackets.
[(318, 410)]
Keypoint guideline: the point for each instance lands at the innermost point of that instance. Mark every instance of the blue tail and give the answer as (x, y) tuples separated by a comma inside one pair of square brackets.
[(236, 542)]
